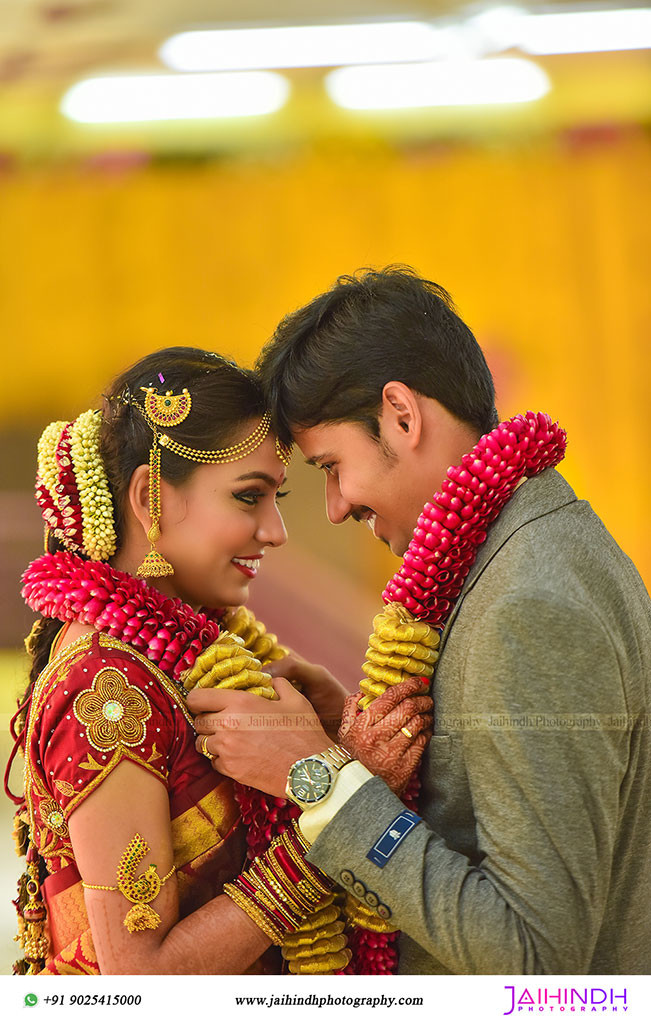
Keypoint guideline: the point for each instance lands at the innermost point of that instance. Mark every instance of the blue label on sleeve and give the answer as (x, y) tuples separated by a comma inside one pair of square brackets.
[(391, 838)]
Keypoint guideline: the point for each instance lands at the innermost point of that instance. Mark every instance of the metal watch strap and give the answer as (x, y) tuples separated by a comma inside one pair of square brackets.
[(337, 756)]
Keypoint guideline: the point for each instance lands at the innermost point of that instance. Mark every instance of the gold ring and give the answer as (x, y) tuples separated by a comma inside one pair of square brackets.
[(204, 751), (407, 733)]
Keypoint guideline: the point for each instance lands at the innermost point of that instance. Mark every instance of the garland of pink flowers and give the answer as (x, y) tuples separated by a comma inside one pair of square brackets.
[(167, 631), (452, 526), (448, 535)]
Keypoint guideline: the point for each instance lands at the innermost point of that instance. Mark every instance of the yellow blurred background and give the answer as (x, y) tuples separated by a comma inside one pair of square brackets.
[(114, 243)]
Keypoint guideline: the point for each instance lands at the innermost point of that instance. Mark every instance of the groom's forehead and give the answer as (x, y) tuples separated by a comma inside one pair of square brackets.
[(326, 441)]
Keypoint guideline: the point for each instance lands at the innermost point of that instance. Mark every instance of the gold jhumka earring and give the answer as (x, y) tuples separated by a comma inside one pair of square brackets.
[(170, 410)]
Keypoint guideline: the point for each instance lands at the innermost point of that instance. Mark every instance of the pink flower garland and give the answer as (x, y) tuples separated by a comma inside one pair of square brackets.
[(452, 526), (167, 631)]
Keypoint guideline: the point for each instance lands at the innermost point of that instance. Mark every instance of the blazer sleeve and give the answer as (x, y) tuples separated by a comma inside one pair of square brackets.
[(546, 744)]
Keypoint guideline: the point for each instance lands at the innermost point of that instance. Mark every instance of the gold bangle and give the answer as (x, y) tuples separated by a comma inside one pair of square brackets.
[(306, 886), (301, 838), (274, 899), (256, 915), (293, 895), (274, 884), (304, 866)]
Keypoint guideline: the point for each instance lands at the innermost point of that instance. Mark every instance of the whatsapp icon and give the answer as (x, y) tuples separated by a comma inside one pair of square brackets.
[(31, 999)]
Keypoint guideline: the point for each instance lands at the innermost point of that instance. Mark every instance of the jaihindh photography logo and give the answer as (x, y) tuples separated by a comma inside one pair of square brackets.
[(564, 1000)]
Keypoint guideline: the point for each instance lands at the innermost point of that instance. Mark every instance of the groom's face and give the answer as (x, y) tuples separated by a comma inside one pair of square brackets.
[(364, 481)]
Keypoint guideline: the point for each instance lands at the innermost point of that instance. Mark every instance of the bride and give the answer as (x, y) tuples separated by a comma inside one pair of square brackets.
[(158, 511)]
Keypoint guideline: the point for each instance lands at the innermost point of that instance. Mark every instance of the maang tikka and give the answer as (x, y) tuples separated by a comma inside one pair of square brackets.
[(170, 410)]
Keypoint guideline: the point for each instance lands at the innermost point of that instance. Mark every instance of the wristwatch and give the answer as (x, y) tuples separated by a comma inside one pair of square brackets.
[(311, 779)]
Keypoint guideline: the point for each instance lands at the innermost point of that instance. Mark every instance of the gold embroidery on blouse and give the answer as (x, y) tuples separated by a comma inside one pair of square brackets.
[(64, 787), (52, 816), (52, 676), (90, 764), (113, 711)]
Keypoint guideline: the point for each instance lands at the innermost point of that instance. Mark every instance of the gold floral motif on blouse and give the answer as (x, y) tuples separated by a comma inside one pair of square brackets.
[(52, 817), (113, 711)]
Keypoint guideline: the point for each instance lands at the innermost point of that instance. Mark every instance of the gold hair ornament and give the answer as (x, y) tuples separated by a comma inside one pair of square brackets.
[(141, 890), (169, 410)]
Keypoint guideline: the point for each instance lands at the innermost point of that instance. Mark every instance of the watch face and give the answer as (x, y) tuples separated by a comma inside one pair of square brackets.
[(310, 780)]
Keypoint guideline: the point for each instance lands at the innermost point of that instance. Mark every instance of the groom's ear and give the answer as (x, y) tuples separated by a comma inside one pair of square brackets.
[(402, 421)]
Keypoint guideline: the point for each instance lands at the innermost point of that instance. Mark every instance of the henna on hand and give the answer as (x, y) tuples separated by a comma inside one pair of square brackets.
[(374, 736)]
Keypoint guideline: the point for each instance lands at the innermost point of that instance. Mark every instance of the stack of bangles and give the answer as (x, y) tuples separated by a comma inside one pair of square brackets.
[(280, 888)]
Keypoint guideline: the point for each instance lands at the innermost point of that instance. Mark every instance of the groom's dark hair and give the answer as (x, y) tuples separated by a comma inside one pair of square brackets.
[(330, 360)]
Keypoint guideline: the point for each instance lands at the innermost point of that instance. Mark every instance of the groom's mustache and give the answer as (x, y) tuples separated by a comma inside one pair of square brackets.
[(361, 513)]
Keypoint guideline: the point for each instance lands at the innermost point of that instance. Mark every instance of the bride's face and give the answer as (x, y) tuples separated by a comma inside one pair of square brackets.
[(216, 527)]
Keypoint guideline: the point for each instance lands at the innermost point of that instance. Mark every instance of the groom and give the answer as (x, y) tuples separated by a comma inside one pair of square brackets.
[(530, 852)]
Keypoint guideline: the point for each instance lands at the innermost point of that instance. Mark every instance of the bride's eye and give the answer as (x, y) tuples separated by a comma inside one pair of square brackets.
[(282, 494), (248, 497)]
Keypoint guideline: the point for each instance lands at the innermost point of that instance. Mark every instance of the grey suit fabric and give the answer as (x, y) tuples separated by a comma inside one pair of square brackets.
[(534, 852)]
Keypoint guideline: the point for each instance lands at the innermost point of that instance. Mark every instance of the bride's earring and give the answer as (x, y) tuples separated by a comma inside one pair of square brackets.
[(164, 411), (154, 564)]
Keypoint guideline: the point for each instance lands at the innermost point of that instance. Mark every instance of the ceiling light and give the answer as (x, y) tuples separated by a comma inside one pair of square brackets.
[(444, 84), (306, 46), (121, 98), (564, 32), (585, 32)]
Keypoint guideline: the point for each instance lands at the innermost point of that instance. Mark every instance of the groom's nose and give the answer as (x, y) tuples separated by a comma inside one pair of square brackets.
[(337, 508)]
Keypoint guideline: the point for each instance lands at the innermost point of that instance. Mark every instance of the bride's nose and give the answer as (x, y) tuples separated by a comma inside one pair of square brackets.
[(271, 528)]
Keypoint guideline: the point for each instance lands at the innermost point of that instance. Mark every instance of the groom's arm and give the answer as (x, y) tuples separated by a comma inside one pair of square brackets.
[(545, 802)]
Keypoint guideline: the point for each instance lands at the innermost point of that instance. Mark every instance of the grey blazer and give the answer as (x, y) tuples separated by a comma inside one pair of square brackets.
[(533, 855)]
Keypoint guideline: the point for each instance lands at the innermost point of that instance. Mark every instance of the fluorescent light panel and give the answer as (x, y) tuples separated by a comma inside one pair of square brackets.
[(124, 98), (584, 32), (495, 29), (302, 46), (444, 84)]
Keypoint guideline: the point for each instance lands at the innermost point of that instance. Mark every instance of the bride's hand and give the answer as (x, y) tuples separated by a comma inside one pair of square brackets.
[(375, 735), (325, 693)]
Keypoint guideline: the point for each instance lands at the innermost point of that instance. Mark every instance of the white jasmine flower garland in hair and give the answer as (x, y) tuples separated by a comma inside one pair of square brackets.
[(92, 484), (48, 469)]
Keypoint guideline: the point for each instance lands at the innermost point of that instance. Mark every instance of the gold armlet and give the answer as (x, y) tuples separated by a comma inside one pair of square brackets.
[(140, 890)]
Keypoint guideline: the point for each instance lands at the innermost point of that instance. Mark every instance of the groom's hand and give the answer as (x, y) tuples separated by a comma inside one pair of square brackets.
[(253, 740)]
